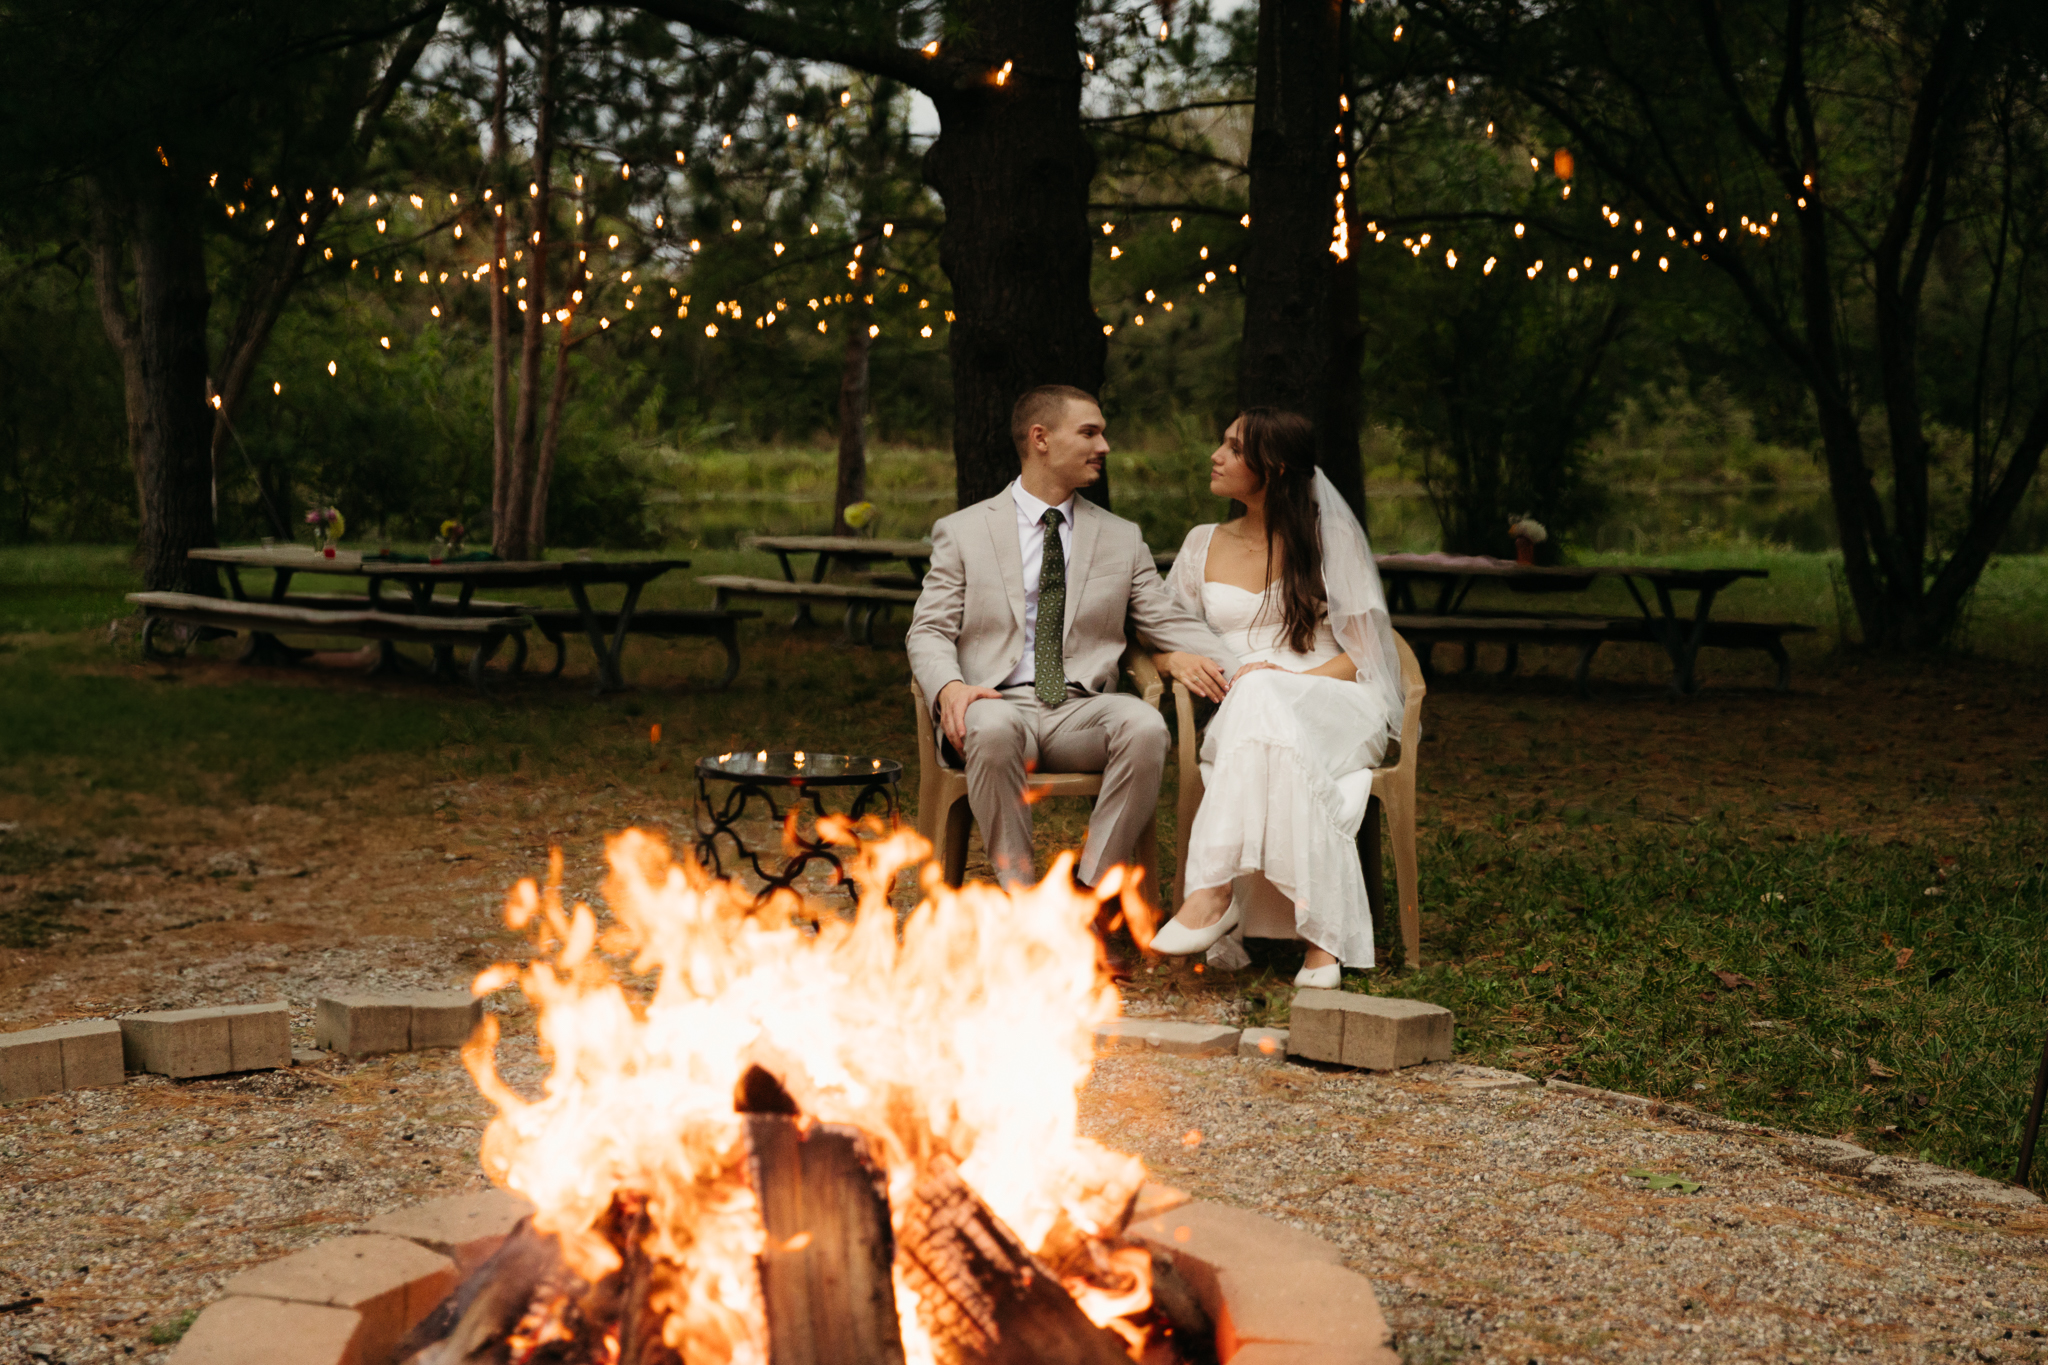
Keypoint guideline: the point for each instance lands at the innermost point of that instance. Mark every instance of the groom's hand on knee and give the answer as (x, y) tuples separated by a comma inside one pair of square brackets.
[(954, 699)]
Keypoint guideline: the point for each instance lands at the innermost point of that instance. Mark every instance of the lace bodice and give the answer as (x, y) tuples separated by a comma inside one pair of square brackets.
[(1251, 624)]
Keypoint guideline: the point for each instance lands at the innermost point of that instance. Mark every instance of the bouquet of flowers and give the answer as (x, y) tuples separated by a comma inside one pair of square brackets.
[(449, 542), (328, 527), (1528, 533), (860, 516)]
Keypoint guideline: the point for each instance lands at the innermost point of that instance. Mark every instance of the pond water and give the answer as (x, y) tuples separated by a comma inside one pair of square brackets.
[(714, 502)]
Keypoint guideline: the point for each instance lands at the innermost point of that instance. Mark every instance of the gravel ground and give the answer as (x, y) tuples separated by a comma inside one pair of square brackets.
[(1503, 1226), (1496, 1226)]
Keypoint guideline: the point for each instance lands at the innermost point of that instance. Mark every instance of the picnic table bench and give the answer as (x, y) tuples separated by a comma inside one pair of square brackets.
[(483, 634), (722, 625), (1666, 624), (872, 595), (420, 579), (863, 601)]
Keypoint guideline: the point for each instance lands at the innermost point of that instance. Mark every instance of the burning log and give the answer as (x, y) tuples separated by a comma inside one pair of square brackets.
[(473, 1322), (984, 1299), (825, 1205)]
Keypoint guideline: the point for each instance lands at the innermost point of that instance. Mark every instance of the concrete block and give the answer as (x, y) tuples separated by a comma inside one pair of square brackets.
[(1316, 1310), (177, 1043), (249, 1331), (92, 1052), (31, 1063), (466, 1228), (1486, 1079), (1266, 1044), (259, 1036), (391, 1282), (359, 1024), (1166, 1035), (443, 1018), (1204, 1239), (1378, 1032), (1842, 1158)]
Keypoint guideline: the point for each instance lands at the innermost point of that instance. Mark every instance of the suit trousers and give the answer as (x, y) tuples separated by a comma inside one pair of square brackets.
[(1114, 733)]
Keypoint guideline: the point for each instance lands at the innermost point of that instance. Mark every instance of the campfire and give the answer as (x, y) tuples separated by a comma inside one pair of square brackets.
[(774, 1135)]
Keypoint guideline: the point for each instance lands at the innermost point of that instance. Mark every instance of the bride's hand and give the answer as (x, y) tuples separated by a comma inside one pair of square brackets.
[(1253, 668), (1203, 677)]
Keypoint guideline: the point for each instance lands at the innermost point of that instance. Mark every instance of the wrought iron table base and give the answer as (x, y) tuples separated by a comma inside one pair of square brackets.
[(725, 818)]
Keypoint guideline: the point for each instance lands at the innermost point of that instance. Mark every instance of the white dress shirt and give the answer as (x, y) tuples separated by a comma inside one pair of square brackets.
[(1031, 543)]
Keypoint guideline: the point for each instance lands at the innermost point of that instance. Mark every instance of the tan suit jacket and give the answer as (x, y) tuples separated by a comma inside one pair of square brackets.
[(969, 622)]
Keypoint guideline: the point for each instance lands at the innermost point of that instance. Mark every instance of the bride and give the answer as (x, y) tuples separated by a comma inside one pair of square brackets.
[(1286, 761)]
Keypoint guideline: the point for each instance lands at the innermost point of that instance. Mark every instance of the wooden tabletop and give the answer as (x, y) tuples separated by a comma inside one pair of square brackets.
[(505, 573), (1477, 567), (842, 545)]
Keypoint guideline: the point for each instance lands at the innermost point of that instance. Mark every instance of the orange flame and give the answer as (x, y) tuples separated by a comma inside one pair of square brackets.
[(967, 1033)]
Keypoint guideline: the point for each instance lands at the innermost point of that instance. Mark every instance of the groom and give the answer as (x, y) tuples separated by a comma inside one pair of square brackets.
[(1019, 630)]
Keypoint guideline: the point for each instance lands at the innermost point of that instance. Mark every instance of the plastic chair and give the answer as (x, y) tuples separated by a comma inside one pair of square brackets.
[(944, 818), (1393, 789)]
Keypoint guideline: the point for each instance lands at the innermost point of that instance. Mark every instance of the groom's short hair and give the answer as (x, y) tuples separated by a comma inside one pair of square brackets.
[(1041, 407)]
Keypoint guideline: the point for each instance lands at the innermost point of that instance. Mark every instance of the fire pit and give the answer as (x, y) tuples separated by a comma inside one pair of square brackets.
[(772, 1136)]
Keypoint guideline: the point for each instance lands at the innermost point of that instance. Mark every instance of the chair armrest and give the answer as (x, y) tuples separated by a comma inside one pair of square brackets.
[(1144, 676)]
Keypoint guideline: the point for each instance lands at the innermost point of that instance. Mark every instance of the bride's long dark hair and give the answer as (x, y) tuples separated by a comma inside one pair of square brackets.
[(1280, 452)]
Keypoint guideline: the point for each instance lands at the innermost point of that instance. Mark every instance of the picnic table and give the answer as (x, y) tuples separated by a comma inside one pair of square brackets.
[(876, 592), (1682, 636), (859, 551), (420, 579)]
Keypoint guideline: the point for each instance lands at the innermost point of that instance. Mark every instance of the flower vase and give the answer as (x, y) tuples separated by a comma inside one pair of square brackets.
[(1525, 550)]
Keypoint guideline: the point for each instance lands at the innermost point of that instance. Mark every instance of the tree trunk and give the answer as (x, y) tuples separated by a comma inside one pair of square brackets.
[(524, 458), (501, 287), (1303, 341), (107, 249), (1013, 168), (550, 439), (853, 372), (853, 410), (173, 451)]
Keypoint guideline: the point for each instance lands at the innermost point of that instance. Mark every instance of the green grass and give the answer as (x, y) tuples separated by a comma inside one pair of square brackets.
[(1596, 952), (172, 1330)]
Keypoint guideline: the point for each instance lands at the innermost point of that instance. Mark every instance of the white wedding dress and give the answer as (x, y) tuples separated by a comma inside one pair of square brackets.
[(1286, 772)]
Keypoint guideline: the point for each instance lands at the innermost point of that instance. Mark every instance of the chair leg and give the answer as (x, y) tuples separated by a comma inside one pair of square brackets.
[(1371, 860), (959, 819), (1401, 828)]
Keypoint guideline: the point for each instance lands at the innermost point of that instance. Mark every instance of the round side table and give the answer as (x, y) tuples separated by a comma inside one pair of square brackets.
[(803, 775)]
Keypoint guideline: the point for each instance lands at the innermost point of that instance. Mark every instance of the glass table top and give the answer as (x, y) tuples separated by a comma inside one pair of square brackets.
[(763, 765)]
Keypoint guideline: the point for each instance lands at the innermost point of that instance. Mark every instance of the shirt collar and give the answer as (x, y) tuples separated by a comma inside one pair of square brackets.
[(1033, 510)]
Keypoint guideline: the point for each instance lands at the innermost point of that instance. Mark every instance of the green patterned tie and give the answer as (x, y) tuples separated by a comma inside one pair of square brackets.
[(1050, 676)]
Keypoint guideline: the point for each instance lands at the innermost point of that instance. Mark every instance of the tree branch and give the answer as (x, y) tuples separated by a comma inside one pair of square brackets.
[(935, 76), (1166, 113)]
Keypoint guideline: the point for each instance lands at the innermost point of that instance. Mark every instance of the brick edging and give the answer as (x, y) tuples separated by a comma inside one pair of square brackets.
[(1276, 1294)]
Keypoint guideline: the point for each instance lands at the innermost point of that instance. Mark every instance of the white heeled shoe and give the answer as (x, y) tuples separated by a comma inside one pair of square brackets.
[(1320, 978), (1176, 940)]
